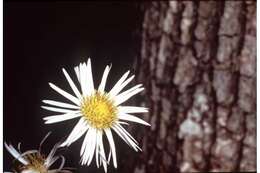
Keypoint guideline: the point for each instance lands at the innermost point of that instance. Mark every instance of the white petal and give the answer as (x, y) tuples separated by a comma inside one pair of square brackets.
[(15, 154), (54, 109), (92, 146), (59, 118), (72, 85), (83, 147), (129, 90), (120, 87), (102, 152), (119, 82), (98, 147), (105, 166), (109, 156), (124, 123), (87, 147), (89, 76), (102, 84), (132, 118), (128, 134), (80, 128), (131, 109), (115, 128), (112, 145), (53, 160), (127, 140), (77, 72), (50, 155), (60, 167), (121, 99), (126, 137), (87, 81), (65, 94), (60, 104), (83, 82)]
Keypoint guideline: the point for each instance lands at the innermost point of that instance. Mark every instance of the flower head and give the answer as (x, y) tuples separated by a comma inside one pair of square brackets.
[(99, 112), (33, 161)]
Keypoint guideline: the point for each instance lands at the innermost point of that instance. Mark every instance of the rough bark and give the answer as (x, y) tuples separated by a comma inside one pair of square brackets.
[(198, 64)]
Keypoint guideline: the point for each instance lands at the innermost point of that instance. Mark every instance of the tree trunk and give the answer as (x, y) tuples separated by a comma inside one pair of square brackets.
[(198, 65)]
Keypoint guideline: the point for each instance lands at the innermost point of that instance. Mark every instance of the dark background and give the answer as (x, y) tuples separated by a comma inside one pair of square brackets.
[(40, 39)]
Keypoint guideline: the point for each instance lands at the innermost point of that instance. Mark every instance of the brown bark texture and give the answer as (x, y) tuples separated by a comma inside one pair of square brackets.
[(198, 65)]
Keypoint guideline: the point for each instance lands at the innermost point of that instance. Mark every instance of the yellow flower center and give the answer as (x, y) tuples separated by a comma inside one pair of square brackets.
[(99, 111)]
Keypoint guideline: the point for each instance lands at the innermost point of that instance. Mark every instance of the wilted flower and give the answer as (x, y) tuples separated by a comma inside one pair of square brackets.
[(99, 112), (33, 161)]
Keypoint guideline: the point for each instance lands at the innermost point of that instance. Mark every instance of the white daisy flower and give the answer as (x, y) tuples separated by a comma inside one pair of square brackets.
[(99, 112), (32, 161)]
